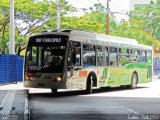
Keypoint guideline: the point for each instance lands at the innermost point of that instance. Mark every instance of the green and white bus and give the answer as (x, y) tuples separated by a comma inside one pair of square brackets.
[(73, 59)]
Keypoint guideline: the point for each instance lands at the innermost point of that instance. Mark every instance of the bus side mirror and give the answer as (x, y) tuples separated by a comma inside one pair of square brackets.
[(19, 51)]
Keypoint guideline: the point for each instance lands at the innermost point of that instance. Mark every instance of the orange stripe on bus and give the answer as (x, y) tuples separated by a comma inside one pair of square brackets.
[(83, 73)]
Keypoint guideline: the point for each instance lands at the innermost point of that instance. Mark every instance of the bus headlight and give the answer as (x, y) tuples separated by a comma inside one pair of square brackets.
[(58, 79)]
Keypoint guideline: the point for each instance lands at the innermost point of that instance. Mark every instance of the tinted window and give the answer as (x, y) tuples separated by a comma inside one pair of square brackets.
[(45, 58), (113, 56), (102, 56), (143, 57), (77, 48), (89, 55), (113, 50)]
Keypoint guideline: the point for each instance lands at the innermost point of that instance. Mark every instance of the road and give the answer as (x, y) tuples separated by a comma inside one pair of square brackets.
[(103, 104)]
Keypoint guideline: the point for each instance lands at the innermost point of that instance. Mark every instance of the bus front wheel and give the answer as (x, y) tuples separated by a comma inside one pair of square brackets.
[(134, 81), (89, 86), (54, 90)]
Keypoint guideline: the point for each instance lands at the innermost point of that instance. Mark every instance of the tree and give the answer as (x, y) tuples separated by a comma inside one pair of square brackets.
[(94, 21), (150, 15), (30, 17), (81, 23), (134, 29)]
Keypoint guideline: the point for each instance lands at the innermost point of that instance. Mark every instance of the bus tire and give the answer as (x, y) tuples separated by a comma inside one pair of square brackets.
[(54, 90), (89, 86), (134, 81)]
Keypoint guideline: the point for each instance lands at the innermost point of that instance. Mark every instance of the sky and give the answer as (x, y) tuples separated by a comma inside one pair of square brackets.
[(121, 6)]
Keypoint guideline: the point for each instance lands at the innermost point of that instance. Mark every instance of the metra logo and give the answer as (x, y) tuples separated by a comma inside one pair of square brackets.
[(48, 40)]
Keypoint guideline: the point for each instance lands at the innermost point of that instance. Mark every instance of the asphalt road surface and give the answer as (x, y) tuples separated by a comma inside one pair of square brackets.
[(142, 103)]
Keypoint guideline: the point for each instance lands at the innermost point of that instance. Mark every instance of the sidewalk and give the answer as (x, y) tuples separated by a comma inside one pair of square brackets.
[(13, 102), (19, 86)]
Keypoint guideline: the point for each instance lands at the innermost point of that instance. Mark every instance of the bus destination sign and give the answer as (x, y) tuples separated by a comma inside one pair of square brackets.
[(48, 40)]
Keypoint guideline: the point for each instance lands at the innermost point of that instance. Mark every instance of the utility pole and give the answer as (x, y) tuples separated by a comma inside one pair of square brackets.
[(58, 20), (107, 18), (12, 34)]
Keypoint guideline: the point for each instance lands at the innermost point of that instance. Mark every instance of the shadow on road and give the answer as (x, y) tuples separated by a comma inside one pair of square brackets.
[(81, 92)]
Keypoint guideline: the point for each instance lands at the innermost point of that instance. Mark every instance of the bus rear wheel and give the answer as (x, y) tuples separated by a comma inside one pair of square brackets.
[(134, 81), (89, 86), (54, 90)]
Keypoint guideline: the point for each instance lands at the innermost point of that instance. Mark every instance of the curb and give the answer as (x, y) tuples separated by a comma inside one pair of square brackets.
[(26, 106)]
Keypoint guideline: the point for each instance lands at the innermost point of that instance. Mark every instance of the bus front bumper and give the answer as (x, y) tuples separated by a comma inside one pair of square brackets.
[(52, 85)]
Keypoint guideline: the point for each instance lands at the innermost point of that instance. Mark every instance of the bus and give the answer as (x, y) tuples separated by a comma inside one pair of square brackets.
[(74, 59)]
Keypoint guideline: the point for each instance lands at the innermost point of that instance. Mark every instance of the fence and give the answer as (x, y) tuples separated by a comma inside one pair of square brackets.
[(156, 66), (11, 68), (20, 61)]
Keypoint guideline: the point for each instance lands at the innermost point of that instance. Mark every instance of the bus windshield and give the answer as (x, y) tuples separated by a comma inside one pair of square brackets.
[(45, 57), (46, 53)]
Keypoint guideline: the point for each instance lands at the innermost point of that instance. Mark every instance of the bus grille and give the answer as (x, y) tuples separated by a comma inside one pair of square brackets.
[(37, 75)]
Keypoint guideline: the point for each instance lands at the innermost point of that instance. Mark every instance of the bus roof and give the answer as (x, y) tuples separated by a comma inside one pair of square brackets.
[(115, 39), (121, 41), (100, 39)]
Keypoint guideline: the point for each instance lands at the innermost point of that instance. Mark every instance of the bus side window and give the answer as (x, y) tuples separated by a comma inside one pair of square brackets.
[(127, 51), (149, 55), (137, 52), (124, 57), (99, 56), (102, 56), (119, 50), (77, 48), (143, 57), (113, 56), (131, 51), (106, 52), (89, 55)]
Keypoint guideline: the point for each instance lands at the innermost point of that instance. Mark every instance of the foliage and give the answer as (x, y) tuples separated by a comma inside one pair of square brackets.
[(94, 21), (33, 16), (134, 29), (82, 23), (150, 15), (30, 17)]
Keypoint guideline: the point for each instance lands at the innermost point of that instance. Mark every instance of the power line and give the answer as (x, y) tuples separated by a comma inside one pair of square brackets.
[(119, 11), (123, 9), (102, 2), (119, 8), (115, 7), (83, 3)]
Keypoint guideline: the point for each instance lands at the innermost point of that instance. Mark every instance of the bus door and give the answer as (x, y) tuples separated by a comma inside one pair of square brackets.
[(73, 63)]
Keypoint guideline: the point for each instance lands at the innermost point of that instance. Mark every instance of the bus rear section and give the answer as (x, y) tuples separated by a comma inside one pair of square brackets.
[(45, 61)]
